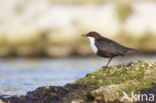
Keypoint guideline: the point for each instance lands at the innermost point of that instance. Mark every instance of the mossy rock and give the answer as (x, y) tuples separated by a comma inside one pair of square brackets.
[(101, 86), (108, 85)]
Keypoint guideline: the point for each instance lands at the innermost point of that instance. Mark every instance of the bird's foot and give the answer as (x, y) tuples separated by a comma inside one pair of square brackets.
[(103, 68), (88, 74)]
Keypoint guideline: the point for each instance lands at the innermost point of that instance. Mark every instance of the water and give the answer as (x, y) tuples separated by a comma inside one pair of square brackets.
[(17, 76)]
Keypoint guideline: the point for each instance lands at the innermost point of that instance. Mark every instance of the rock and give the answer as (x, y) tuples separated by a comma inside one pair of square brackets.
[(108, 86), (104, 94)]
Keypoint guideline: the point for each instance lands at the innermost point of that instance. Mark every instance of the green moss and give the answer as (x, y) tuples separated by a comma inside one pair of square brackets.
[(135, 76), (107, 86)]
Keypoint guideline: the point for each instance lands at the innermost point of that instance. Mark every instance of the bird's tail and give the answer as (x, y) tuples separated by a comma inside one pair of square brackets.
[(131, 49)]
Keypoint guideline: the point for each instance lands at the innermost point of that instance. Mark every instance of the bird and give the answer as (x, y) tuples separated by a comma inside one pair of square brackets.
[(105, 47)]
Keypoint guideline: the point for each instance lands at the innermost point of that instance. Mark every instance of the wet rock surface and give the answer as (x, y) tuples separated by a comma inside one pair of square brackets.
[(98, 87)]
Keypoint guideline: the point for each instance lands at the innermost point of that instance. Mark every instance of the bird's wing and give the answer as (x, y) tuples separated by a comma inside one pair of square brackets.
[(110, 46)]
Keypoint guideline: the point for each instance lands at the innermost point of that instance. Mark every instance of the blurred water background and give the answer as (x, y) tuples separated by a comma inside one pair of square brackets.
[(18, 76), (41, 43)]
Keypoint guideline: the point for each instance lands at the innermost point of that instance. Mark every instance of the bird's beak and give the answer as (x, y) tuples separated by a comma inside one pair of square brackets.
[(85, 35)]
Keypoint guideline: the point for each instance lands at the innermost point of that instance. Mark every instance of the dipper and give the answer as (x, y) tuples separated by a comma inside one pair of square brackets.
[(105, 47)]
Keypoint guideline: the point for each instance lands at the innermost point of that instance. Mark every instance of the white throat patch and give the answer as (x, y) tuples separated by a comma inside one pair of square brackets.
[(92, 44)]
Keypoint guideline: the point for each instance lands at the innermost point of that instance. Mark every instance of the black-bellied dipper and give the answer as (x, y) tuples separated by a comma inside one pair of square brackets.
[(105, 47)]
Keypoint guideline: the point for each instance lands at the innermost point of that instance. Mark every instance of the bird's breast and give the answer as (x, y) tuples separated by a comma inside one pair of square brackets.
[(92, 44)]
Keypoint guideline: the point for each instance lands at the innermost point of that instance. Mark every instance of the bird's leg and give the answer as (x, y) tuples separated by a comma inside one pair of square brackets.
[(105, 67)]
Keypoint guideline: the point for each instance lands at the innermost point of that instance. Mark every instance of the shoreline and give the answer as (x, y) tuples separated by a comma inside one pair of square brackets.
[(72, 56)]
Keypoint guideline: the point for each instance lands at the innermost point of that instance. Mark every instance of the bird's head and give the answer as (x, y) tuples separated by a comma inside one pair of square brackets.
[(92, 34)]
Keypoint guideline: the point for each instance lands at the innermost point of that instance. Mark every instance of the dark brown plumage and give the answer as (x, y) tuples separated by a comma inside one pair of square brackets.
[(108, 48)]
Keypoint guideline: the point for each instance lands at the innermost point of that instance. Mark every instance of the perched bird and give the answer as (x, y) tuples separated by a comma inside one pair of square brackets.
[(105, 47)]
